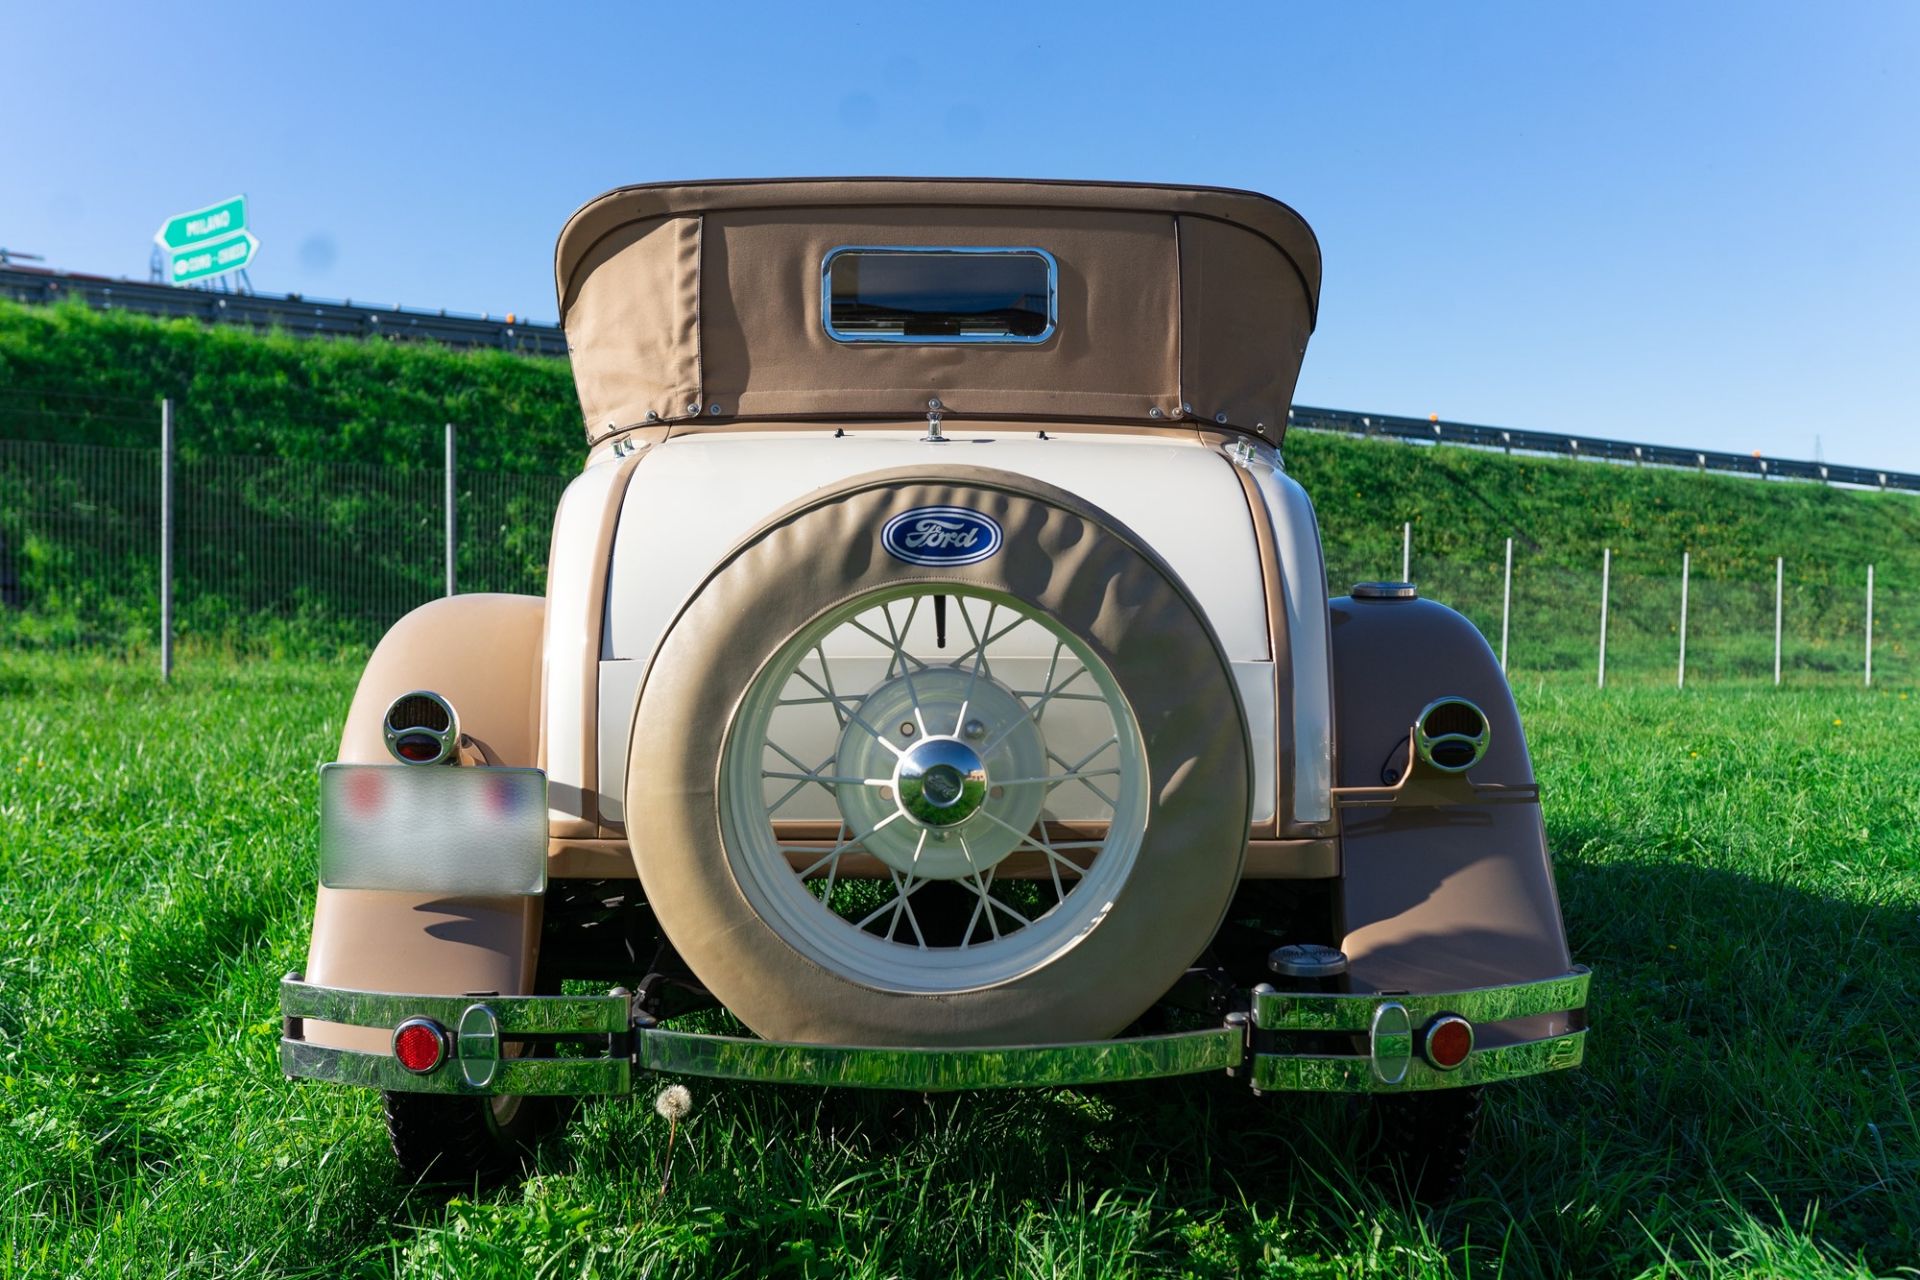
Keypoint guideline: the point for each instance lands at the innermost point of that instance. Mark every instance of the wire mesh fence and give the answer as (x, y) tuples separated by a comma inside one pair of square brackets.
[(1546, 618), (303, 557), (79, 555), (270, 554)]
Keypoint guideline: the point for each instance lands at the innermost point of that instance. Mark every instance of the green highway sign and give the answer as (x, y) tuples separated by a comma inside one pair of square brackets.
[(216, 221), (207, 242), (214, 257)]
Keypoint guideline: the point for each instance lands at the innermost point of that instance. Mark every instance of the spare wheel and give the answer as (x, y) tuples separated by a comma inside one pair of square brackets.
[(939, 759)]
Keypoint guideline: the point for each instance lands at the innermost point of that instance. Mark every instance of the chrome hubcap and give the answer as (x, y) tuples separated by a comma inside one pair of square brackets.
[(940, 783)]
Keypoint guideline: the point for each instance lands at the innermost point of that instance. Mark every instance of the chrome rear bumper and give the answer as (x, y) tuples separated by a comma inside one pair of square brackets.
[(1315, 1042)]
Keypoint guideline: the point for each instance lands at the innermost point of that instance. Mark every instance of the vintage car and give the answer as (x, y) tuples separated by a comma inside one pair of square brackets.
[(937, 674)]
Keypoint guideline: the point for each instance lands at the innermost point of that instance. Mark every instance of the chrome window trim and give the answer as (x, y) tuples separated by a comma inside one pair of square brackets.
[(957, 340)]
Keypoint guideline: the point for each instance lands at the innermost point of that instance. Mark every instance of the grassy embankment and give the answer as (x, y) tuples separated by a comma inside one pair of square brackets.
[(73, 375), (1740, 867)]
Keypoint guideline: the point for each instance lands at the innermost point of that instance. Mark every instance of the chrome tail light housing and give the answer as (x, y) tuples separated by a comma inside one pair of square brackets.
[(1451, 734), (421, 727)]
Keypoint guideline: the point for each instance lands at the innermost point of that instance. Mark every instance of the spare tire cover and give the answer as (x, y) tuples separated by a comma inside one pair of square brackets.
[(1060, 558)]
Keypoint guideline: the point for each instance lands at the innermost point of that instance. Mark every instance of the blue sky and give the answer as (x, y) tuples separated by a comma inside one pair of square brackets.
[(1691, 224)]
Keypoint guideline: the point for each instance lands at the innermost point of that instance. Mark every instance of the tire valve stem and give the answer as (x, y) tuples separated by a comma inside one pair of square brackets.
[(939, 622)]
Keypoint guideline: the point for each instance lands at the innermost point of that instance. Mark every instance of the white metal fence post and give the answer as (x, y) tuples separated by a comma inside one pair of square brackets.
[(1506, 606), (1686, 574), (453, 518), (1406, 552), (1606, 575), (1869, 626), (1779, 596), (166, 539)]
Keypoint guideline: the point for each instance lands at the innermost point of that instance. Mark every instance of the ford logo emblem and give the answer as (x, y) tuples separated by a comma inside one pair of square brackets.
[(945, 536)]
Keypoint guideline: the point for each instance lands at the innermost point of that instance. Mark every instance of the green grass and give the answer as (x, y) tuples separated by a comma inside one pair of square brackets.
[(1740, 868)]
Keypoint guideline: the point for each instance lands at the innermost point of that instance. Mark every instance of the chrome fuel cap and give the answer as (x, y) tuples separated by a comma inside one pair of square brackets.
[(1307, 960)]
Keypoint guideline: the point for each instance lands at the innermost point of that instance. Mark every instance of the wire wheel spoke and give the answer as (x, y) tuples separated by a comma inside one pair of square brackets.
[(802, 778), (852, 713), (1076, 772), (1038, 709), (832, 856), (1040, 844), (905, 660), (826, 674)]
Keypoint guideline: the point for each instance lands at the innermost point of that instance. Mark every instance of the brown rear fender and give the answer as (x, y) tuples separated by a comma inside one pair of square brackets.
[(1436, 898), (483, 653)]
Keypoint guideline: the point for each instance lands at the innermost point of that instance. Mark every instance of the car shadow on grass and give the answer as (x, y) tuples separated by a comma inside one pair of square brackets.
[(1746, 1066)]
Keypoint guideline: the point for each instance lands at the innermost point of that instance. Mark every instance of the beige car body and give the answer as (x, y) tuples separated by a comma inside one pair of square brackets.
[(712, 395)]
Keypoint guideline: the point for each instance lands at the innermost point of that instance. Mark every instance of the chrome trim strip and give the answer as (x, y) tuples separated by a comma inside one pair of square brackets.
[(1353, 1074), (546, 1076), (1339, 1011), (1009, 340), (518, 1015), (936, 1070)]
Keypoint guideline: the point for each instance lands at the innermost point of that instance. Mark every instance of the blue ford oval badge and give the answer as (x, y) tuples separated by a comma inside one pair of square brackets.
[(941, 536)]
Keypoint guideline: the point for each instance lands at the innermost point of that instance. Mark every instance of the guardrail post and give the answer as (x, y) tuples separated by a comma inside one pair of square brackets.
[(1869, 626), (166, 539), (1779, 599), (453, 512), (1406, 552), (1686, 573), (1606, 575), (1506, 606)]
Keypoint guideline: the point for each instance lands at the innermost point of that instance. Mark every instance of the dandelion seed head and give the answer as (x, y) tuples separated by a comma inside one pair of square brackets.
[(674, 1102)]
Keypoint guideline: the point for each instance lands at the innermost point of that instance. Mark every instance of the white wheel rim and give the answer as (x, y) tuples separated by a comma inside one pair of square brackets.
[(984, 699)]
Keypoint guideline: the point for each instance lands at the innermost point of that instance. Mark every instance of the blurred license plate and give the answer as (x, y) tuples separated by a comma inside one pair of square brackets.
[(433, 829)]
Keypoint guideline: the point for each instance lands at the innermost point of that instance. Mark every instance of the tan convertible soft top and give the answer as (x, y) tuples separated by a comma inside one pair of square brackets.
[(704, 300)]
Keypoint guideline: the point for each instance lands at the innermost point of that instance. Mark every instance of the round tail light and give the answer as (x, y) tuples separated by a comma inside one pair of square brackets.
[(1448, 1042), (420, 1044), (1451, 735), (421, 728)]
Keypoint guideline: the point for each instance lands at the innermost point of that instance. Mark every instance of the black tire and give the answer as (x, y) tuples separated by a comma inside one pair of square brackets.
[(1419, 1142), (444, 1139)]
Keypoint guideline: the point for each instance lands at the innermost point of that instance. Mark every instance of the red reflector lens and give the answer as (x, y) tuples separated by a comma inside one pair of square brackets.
[(417, 746), (1449, 1042), (420, 1045)]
